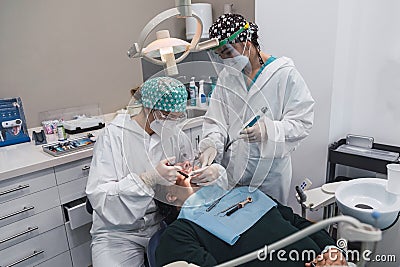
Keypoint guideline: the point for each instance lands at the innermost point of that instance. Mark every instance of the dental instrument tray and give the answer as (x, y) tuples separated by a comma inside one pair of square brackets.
[(372, 159), (82, 124), (369, 152), (69, 146)]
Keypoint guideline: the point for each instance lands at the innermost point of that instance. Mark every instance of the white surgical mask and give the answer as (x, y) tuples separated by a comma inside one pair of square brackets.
[(239, 62), (164, 128)]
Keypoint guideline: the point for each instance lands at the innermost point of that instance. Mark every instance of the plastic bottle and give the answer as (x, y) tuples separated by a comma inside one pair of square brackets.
[(61, 132), (202, 99), (192, 92)]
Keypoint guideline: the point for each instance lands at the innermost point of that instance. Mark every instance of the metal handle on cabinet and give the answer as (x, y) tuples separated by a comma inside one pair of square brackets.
[(20, 187), (85, 168), (35, 253), (16, 213), (30, 229)]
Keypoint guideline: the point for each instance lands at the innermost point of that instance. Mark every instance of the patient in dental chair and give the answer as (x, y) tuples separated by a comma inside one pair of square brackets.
[(209, 226)]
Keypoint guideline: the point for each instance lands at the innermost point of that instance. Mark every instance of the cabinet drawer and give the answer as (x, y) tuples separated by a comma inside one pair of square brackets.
[(72, 171), (27, 228), (79, 235), (35, 250), (29, 205), (62, 260), (81, 255), (26, 184), (77, 214), (72, 190)]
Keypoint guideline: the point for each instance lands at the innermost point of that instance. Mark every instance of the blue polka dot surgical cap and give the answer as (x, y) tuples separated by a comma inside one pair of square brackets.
[(164, 93)]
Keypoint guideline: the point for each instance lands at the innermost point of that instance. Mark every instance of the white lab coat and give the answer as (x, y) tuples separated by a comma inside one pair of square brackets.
[(125, 215), (288, 120)]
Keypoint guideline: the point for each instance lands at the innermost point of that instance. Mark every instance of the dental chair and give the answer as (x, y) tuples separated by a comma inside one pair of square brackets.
[(153, 243)]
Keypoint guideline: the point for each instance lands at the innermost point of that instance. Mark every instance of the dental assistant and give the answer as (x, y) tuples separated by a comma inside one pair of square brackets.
[(131, 156), (248, 80)]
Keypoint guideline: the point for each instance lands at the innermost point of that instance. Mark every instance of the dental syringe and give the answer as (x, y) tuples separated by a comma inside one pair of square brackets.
[(251, 122)]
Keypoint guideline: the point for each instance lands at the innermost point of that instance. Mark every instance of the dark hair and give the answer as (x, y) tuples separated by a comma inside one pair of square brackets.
[(254, 41), (135, 93), (168, 212)]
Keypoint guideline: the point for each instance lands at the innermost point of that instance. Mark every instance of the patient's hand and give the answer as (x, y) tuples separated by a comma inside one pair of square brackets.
[(332, 257)]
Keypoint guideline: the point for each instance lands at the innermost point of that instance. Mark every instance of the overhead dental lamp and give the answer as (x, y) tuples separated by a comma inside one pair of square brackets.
[(162, 51)]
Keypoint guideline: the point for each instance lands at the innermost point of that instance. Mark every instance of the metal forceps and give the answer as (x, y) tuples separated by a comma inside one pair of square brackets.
[(214, 204)]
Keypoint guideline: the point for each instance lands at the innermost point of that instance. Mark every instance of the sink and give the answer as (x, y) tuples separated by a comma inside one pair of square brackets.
[(195, 112), (360, 198)]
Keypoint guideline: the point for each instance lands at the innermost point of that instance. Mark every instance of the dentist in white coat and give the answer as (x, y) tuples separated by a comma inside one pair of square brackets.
[(131, 156), (249, 80)]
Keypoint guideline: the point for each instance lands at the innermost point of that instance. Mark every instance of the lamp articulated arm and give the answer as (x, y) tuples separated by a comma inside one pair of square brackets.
[(137, 49), (166, 47)]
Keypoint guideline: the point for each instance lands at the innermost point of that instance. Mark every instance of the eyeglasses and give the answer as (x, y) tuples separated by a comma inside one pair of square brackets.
[(232, 37), (164, 115)]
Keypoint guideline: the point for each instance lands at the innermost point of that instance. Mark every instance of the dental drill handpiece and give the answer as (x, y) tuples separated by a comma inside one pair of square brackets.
[(256, 117), (239, 206), (249, 124), (247, 200)]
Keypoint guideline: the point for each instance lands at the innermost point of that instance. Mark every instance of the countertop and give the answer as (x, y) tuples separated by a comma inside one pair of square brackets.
[(25, 158), (20, 159)]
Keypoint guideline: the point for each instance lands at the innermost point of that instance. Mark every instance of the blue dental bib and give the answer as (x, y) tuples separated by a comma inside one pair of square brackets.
[(227, 228)]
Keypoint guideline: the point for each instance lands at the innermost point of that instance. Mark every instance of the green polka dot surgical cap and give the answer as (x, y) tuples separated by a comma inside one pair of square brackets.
[(164, 93)]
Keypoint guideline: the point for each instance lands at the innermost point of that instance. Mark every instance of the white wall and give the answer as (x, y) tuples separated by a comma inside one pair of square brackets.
[(349, 54), (245, 8), (366, 95), (306, 32), (59, 54)]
